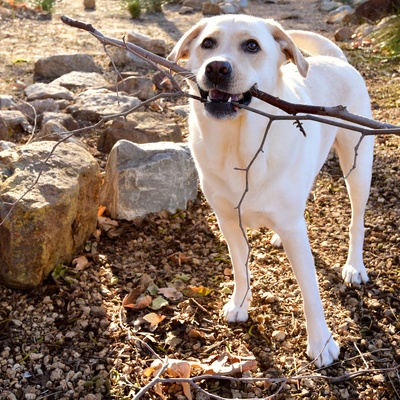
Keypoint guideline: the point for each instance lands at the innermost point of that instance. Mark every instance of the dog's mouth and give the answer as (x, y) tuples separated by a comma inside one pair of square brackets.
[(221, 104)]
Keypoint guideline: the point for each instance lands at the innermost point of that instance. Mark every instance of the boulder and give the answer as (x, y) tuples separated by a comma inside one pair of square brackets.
[(54, 219), (13, 121), (194, 4), (55, 66), (39, 91), (139, 127), (156, 46), (211, 9), (79, 80), (92, 104), (374, 10), (146, 178)]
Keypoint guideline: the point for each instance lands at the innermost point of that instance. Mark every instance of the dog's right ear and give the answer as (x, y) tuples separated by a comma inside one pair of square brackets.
[(181, 49)]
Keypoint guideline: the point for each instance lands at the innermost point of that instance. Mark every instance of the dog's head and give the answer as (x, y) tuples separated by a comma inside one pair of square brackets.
[(230, 54)]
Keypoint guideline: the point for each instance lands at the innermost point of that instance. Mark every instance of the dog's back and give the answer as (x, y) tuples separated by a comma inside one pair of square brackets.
[(315, 44)]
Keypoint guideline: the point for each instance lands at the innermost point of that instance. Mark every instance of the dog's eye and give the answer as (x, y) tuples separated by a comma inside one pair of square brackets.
[(251, 46), (208, 43)]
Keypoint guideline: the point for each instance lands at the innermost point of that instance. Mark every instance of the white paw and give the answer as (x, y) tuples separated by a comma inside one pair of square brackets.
[(276, 240), (352, 274), (235, 313), (322, 352)]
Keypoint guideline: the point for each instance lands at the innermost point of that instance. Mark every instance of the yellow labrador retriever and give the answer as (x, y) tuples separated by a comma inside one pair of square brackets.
[(229, 55)]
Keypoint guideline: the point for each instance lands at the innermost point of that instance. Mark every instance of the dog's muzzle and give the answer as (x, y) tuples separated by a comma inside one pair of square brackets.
[(221, 104)]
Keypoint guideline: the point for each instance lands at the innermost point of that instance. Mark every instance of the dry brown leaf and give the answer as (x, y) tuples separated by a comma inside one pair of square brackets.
[(106, 223), (81, 263), (181, 369), (180, 258), (197, 291), (101, 210), (154, 318), (196, 334), (136, 299)]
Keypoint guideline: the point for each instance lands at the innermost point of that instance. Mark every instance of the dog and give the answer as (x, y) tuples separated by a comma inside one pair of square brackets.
[(228, 55)]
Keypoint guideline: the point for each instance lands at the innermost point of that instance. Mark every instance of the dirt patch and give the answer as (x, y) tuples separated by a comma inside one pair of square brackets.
[(72, 339)]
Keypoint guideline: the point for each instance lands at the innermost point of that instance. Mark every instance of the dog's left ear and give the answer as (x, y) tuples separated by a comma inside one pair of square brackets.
[(181, 49), (290, 49)]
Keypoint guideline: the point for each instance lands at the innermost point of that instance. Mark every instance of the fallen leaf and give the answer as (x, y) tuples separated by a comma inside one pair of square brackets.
[(179, 258), (197, 291), (171, 293), (80, 263), (136, 299), (181, 369), (196, 334), (155, 366), (154, 319), (106, 223), (158, 303), (100, 210)]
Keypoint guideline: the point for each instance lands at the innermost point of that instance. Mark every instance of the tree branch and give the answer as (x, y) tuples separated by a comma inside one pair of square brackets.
[(339, 111)]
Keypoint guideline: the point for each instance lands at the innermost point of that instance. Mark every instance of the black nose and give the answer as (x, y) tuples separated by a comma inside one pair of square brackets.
[(218, 71)]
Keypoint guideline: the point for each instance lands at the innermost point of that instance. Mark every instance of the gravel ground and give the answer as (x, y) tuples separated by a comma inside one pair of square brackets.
[(80, 337)]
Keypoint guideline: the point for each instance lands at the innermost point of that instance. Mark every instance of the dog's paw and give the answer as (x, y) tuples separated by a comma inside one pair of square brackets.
[(276, 240), (235, 313), (353, 274), (323, 351)]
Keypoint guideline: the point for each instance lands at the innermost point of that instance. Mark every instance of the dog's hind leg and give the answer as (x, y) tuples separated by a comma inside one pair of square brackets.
[(357, 168)]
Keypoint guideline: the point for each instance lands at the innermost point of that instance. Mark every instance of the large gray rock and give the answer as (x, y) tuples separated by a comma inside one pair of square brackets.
[(78, 80), (146, 178), (55, 218), (139, 127), (11, 122), (92, 104), (55, 66), (39, 91)]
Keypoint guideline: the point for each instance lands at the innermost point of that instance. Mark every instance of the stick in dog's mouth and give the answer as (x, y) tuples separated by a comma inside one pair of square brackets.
[(219, 104)]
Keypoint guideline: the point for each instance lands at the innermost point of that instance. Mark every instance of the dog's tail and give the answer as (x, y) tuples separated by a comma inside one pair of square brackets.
[(315, 44)]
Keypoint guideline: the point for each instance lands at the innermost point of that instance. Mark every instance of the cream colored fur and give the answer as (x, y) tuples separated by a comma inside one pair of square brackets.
[(233, 53)]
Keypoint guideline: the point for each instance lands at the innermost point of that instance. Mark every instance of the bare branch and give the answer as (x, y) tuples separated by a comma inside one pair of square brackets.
[(339, 111)]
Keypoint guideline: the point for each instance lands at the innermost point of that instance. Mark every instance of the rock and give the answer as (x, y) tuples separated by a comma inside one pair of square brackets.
[(186, 10), (55, 66), (139, 127), (64, 119), (7, 101), (374, 10), (55, 218), (329, 5), (39, 91), (156, 46), (92, 104), (231, 8), (134, 83), (195, 5), (55, 131), (79, 80), (338, 15), (4, 145), (211, 9), (89, 4), (146, 178), (13, 121), (36, 108), (344, 34), (278, 336)]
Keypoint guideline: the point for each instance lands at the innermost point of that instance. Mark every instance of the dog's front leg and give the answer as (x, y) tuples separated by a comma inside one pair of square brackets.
[(320, 344), (237, 307)]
